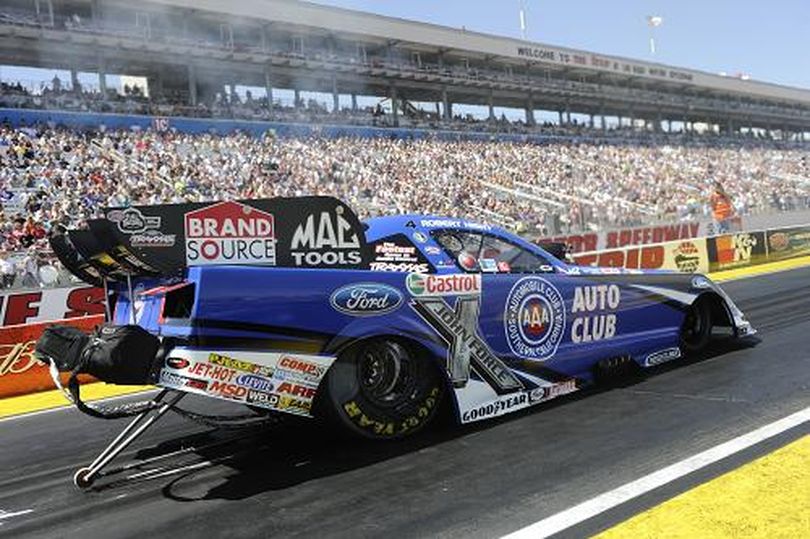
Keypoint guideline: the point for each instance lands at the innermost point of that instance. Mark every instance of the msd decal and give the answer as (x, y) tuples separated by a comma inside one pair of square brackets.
[(325, 239), (534, 319), (230, 233)]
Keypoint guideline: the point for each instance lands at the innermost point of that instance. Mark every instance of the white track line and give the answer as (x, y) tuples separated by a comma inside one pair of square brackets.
[(68, 406), (604, 502)]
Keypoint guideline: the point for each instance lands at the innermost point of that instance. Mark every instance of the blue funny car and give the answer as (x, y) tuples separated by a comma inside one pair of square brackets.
[(295, 306)]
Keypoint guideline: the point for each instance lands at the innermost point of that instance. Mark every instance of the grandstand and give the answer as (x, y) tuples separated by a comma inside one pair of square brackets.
[(192, 52), (652, 141)]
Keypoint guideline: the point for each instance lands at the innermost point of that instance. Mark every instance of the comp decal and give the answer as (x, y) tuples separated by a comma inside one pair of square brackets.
[(458, 326), (534, 319)]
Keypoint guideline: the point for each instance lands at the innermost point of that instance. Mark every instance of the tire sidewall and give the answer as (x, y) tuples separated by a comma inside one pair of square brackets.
[(344, 403)]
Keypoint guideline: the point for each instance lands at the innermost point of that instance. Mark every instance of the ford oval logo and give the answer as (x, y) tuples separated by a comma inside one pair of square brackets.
[(366, 299)]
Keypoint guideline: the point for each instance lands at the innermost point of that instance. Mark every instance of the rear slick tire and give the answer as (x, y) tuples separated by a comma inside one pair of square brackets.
[(382, 389)]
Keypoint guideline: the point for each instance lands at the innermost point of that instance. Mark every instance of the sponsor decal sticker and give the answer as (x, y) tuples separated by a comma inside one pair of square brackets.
[(177, 363), (549, 392), (534, 319), (144, 230), (778, 241), (366, 299), (325, 239), (502, 405), (296, 390), (432, 250), (593, 305), (662, 356), (175, 380), (230, 233), (239, 365), (443, 285), (215, 372), (420, 237), (260, 398), (252, 381), (305, 368)]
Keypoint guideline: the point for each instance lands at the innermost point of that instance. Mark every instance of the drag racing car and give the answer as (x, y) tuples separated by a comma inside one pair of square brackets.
[(295, 306)]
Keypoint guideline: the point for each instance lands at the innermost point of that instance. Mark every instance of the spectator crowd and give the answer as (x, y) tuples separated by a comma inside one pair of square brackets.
[(51, 176)]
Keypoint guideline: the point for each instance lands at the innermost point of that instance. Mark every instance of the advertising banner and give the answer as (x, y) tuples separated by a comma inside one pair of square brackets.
[(787, 243), (29, 306), (736, 250), (627, 237), (20, 372), (689, 256)]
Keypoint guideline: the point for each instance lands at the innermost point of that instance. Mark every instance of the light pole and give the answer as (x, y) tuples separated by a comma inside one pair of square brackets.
[(653, 22), (523, 25)]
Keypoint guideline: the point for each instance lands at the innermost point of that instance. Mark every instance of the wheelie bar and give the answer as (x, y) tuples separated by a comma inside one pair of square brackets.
[(164, 401)]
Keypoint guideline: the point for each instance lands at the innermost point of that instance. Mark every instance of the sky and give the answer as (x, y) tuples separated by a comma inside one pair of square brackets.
[(764, 39)]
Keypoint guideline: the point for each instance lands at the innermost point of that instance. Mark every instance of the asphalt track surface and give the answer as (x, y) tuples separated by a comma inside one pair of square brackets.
[(478, 481)]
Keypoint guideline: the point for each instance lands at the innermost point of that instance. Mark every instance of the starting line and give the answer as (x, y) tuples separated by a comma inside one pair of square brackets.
[(608, 500)]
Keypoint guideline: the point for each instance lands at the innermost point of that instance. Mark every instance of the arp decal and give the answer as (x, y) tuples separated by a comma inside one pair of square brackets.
[(459, 327), (366, 299), (534, 319), (594, 312)]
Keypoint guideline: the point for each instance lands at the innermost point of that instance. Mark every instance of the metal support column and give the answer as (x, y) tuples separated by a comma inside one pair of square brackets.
[(491, 105), (448, 110), (268, 86), (192, 85), (394, 105), (102, 77), (354, 102), (335, 96)]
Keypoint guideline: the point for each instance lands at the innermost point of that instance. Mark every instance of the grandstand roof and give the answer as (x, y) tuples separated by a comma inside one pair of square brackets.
[(311, 17)]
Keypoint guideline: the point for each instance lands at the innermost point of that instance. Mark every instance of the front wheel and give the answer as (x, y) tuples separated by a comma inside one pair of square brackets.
[(382, 389), (696, 329)]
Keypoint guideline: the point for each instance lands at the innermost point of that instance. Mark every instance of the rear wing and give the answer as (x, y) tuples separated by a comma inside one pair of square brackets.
[(162, 241)]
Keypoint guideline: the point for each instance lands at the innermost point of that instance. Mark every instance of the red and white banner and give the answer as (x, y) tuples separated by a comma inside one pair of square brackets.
[(25, 307), (615, 239)]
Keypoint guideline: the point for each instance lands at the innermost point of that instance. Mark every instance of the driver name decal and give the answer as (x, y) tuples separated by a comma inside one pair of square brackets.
[(459, 327)]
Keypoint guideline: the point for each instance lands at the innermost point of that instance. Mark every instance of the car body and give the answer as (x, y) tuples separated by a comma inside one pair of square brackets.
[(428, 310)]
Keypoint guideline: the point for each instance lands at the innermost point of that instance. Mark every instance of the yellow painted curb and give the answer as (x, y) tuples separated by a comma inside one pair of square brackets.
[(770, 267), (768, 497), (46, 400)]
